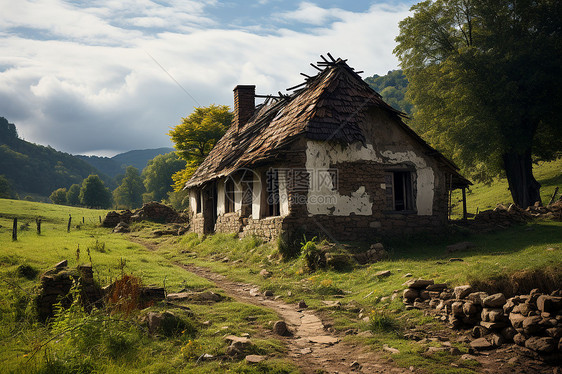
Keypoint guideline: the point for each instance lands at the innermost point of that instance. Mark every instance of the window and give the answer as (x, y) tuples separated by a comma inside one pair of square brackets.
[(272, 193), (198, 202), (229, 196), (399, 191)]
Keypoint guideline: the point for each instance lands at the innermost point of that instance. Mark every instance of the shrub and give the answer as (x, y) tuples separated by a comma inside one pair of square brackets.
[(382, 321), (27, 271), (312, 255)]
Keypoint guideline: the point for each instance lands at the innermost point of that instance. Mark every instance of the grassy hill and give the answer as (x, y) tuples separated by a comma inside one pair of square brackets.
[(482, 196)]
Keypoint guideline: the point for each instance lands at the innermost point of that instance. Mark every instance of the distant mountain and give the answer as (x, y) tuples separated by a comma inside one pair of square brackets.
[(116, 165), (36, 169)]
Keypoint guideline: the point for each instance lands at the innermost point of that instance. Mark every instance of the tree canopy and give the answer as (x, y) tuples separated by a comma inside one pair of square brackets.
[(73, 195), (129, 193), (158, 173), (58, 196), (94, 194), (392, 87), (485, 77), (5, 188), (196, 136)]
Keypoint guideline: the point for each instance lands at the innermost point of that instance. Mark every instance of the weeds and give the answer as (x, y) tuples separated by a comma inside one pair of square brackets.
[(383, 321), (313, 256)]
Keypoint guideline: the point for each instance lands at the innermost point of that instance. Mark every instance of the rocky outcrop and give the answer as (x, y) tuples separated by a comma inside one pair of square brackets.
[(533, 321), (152, 211)]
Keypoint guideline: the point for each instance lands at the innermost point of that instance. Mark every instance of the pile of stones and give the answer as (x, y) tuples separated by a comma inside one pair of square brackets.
[(533, 321), (375, 253), (152, 211), (55, 285)]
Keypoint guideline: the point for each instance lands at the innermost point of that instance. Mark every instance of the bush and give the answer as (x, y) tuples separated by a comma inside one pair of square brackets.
[(27, 271), (313, 256), (382, 321)]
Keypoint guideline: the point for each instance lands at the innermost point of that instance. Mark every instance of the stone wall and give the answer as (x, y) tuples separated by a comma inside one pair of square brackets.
[(269, 228), (533, 321), (229, 223), (197, 223)]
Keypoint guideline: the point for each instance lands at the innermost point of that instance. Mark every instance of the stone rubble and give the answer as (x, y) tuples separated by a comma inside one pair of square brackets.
[(533, 321)]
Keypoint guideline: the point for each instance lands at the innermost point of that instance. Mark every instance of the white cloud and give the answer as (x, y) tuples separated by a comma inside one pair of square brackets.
[(95, 87)]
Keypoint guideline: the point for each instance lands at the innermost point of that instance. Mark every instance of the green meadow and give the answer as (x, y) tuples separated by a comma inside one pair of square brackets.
[(76, 341)]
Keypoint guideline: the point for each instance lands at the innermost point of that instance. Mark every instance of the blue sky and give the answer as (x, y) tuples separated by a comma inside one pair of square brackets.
[(99, 77)]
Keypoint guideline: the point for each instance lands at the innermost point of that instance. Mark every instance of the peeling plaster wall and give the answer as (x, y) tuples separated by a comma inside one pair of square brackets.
[(220, 197), (193, 201), (324, 199)]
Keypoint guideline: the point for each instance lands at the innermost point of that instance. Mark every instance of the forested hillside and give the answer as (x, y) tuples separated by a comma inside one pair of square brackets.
[(36, 169), (392, 87)]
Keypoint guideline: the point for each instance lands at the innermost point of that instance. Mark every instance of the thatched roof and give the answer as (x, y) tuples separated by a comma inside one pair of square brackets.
[(329, 107)]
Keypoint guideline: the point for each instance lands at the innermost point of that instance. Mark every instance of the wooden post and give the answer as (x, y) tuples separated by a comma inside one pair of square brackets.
[(69, 220), (464, 203), (82, 220), (553, 198), (450, 210), (15, 230), (100, 218), (38, 223)]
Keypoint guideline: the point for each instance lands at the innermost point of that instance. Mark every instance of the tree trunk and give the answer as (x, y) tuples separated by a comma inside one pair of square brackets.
[(525, 190)]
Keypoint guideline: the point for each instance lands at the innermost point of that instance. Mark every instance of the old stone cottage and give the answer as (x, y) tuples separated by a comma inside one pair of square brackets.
[(332, 158)]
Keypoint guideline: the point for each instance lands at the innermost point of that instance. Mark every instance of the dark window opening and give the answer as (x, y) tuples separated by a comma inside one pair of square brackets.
[(272, 193), (399, 191), (198, 202), (229, 196)]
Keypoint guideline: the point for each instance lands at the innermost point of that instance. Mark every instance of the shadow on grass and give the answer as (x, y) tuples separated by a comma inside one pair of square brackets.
[(500, 242)]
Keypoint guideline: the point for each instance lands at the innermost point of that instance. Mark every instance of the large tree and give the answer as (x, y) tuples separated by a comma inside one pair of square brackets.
[(5, 188), (157, 175), (486, 79), (94, 194), (196, 136), (129, 193)]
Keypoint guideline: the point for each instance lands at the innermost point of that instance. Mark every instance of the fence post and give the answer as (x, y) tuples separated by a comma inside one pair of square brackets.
[(38, 223), (69, 220), (82, 220), (15, 230)]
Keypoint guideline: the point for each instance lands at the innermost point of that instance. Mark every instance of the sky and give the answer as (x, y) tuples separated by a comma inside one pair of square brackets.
[(102, 77)]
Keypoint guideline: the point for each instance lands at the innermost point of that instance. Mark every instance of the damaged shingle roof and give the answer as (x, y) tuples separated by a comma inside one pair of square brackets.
[(329, 107)]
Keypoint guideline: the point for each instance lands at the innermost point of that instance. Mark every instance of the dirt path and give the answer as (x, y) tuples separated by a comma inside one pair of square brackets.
[(311, 347)]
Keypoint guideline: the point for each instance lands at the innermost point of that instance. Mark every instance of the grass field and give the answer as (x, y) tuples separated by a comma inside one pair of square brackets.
[(481, 196), (499, 260)]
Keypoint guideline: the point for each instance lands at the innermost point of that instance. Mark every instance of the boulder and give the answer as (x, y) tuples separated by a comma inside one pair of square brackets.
[(482, 344), (477, 297), (264, 273), (457, 308), (383, 274), (531, 325), (436, 287), (469, 308), (410, 294), (492, 315), (516, 320), (554, 332), (419, 283), (541, 344), (523, 309), (549, 304), (280, 328), (519, 339), (494, 301), (508, 333), (463, 291)]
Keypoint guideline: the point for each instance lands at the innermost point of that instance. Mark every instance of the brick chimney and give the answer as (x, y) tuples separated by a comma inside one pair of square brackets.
[(244, 104)]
